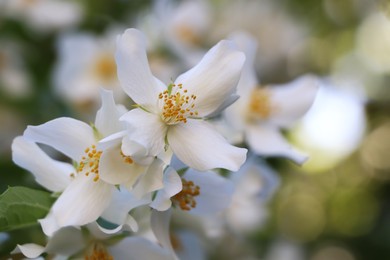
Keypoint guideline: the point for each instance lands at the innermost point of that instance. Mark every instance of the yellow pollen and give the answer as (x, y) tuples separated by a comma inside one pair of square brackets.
[(187, 34), (185, 199), (259, 104), (90, 162), (105, 67), (127, 158), (177, 105), (99, 252)]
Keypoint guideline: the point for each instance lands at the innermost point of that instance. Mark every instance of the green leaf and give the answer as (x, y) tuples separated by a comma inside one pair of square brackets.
[(22, 207)]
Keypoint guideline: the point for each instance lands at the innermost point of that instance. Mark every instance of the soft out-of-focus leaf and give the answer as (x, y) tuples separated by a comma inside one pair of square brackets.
[(22, 207)]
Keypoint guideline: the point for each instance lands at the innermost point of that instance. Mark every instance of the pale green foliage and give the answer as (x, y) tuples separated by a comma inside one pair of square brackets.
[(21, 207)]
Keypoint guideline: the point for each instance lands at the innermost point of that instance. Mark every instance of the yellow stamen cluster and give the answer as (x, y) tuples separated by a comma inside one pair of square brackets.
[(127, 158), (185, 199), (177, 105), (90, 162), (105, 67), (187, 34), (99, 252), (259, 104)]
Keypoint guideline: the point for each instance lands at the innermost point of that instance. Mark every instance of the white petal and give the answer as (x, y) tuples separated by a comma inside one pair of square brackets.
[(66, 241), (172, 186), (160, 221), (113, 168), (215, 192), (67, 135), (147, 129), (107, 118), (138, 152), (215, 78), (31, 250), (51, 174), (83, 201), (293, 100), (122, 202), (133, 70), (49, 224), (152, 180), (201, 147), (139, 248), (248, 44), (111, 140), (268, 141)]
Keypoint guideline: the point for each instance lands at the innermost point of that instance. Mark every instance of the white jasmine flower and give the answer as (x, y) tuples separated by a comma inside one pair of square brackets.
[(199, 193), (254, 185), (174, 115), (14, 79), (89, 187), (184, 27), (44, 15), (262, 111), (74, 243), (85, 63)]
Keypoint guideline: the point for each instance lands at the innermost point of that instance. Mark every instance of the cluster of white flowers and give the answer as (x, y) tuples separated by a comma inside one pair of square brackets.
[(130, 170)]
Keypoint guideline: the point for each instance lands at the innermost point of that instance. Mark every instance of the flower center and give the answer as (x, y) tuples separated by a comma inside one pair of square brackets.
[(127, 158), (185, 199), (259, 104), (177, 104), (98, 252), (90, 162), (187, 34), (105, 67)]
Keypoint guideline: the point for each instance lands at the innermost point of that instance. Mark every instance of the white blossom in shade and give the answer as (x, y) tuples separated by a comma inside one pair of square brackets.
[(184, 27), (173, 115), (44, 15), (92, 243), (90, 186), (198, 193), (254, 185), (261, 112), (85, 64), (14, 79)]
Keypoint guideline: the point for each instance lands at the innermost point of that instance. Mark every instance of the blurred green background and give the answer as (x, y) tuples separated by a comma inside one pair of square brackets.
[(337, 206)]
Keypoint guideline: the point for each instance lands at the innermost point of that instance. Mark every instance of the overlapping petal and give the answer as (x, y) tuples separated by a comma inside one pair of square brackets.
[(67, 135), (51, 174), (172, 186), (133, 70), (147, 129), (266, 140), (292, 100), (83, 201), (107, 117), (215, 78), (134, 248), (201, 147), (215, 192), (114, 169)]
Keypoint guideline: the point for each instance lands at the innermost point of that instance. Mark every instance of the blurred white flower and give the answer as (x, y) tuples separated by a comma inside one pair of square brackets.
[(254, 184), (276, 30), (85, 64), (89, 187), (44, 15), (14, 79), (174, 115), (184, 27), (261, 112)]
